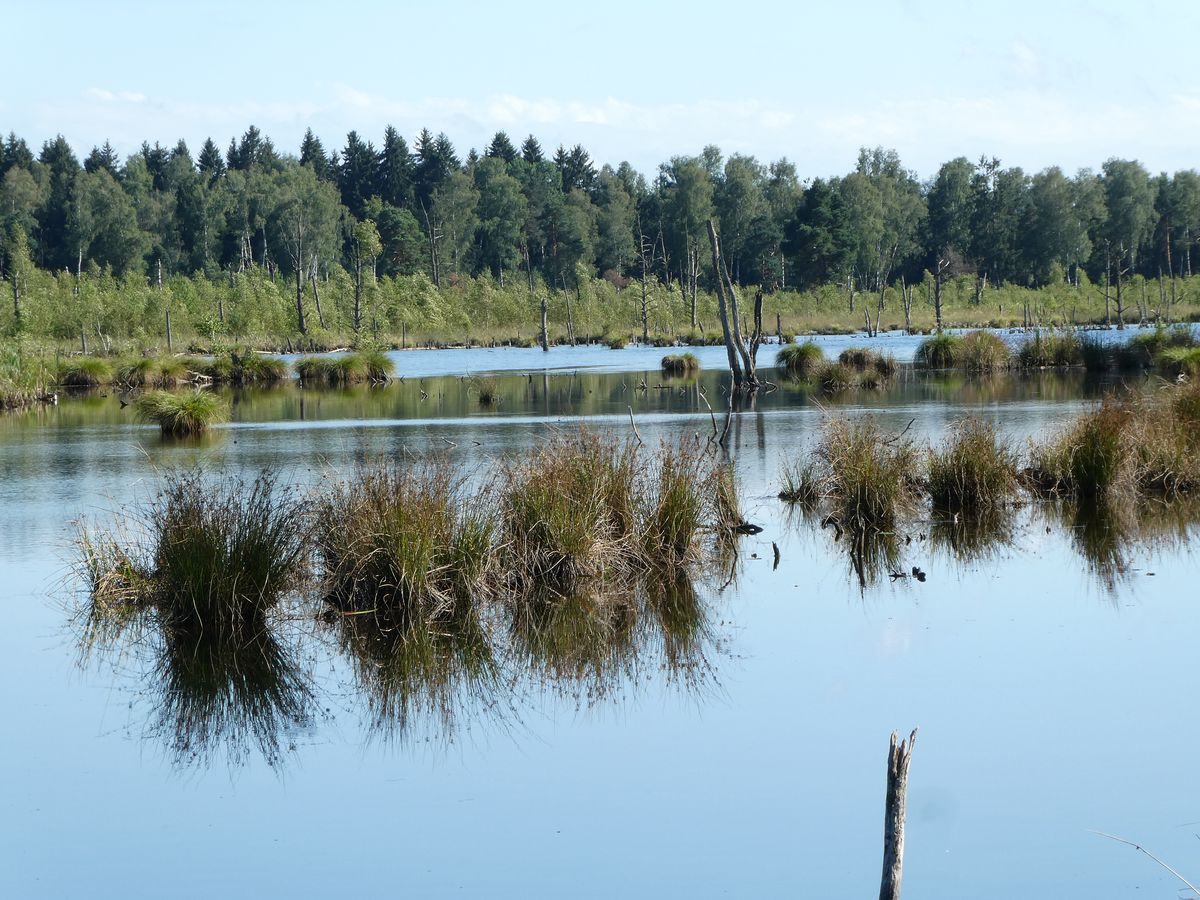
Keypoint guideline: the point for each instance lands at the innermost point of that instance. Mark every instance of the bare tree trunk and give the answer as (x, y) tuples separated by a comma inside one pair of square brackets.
[(545, 331), (899, 757), (906, 297), (16, 292), (312, 279), (735, 367)]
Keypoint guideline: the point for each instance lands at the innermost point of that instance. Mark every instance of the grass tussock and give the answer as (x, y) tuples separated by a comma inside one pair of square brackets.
[(680, 364), (406, 542), (245, 367), (85, 371), (182, 415), (1054, 350), (801, 483), (368, 366), (974, 471), (149, 371), (866, 360), (940, 351), (217, 556), (569, 510), (982, 351), (869, 473), (802, 360), (1091, 458)]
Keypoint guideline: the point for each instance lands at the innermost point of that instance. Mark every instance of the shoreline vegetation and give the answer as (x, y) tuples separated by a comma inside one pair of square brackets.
[(30, 374)]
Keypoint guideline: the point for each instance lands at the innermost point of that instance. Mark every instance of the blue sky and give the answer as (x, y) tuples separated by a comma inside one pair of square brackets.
[(1035, 84)]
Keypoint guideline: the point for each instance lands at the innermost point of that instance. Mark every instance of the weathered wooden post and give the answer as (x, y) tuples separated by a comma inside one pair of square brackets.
[(899, 756)]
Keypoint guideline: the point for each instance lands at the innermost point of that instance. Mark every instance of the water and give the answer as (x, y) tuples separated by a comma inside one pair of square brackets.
[(1049, 677)]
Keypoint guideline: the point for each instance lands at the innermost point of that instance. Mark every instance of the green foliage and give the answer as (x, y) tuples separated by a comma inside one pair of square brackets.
[(942, 351), (800, 360), (869, 474), (1056, 350), (85, 371), (680, 364)]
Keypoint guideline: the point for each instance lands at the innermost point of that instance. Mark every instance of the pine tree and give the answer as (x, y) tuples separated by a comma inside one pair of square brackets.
[(531, 151), (210, 162), (396, 170), (312, 154), (104, 157), (356, 176), (501, 148)]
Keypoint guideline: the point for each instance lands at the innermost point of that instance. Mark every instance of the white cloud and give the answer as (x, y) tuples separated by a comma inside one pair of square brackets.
[(1025, 60)]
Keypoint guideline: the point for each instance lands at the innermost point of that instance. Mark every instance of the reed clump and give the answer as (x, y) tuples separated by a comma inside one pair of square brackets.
[(865, 360), (216, 558), (1091, 459), (974, 471), (245, 367), (680, 364), (802, 360), (801, 483), (568, 511), (940, 351), (85, 371), (869, 473), (982, 351), (182, 415), (407, 542), (1052, 350), (149, 371), (675, 508), (371, 366)]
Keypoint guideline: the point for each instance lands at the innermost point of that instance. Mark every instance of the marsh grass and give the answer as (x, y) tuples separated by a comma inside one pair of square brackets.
[(569, 510), (1142, 351), (870, 474), (85, 371), (1090, 458), (23, 376), (801, 361), (486, 389), (941, 351), (802, 482), (982, 351), (245, 367), (373, 366), (973, 471), (680, 364), (675, 509), (149, 371), (1055, 350), (181, 415), (406, 542), (213, 557), (1178, 361)]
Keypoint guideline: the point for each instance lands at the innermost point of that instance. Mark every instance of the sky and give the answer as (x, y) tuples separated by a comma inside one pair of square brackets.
[(1035, 84)]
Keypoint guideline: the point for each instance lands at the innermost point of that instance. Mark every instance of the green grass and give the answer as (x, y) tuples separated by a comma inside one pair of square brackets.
[(1090, 459), (569, 510), (675, 511), (1176, 361), (982, 351), (801, 482), (801, 361), (941, 351), (85, 371), (352, 368), (974, 471), (869, 473), (24, 376), (680, 364), (405, 541), (1056, 350), (486, 389), (181, 415), (149, 371), (216, 556)]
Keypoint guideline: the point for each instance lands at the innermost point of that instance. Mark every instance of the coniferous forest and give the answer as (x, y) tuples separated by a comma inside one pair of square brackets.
[(424, 239)]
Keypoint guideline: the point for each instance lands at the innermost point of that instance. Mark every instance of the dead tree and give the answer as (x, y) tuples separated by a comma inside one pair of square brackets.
[(899, 757), (742, 356)]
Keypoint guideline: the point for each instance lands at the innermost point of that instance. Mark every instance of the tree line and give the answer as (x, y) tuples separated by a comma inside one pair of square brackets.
[(554, 219)]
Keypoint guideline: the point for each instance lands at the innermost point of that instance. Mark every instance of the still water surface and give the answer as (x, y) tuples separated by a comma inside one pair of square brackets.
[(1049, 677)]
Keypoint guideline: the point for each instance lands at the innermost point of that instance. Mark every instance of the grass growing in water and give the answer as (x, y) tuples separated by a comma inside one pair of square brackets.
[(569, 510), (181, 415), (801, 483), (982, 351), (941, 351), (870, 473), (406, 542), (800, 360), (486, 388), (86, 371), (218, 558), (152, 371), (680, 364), (1052, 350), (371, 366), (1090, 459), (975, 470)]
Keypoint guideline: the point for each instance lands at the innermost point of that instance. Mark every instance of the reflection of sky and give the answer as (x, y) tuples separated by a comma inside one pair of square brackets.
[(1047, 706)]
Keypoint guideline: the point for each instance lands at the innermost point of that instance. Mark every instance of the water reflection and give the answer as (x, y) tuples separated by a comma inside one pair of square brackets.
[(425, 677)]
